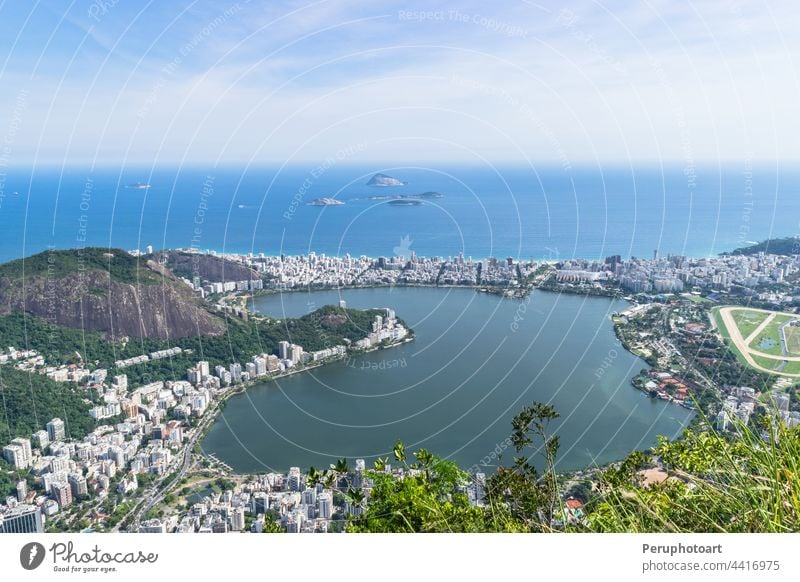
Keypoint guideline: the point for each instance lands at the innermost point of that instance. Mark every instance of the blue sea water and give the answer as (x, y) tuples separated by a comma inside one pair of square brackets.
[(523, 212)]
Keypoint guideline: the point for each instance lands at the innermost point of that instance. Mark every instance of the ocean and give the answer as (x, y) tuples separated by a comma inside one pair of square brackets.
[(523, 212)]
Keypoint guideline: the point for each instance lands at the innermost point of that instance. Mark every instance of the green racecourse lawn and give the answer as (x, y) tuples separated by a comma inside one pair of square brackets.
[(748, 321), (727, 336), (770, 335), (793, 340), (789, 368)]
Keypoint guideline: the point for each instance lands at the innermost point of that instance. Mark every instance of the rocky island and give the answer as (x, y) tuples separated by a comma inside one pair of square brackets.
[(413, 199), (326, 202), (384, 180)]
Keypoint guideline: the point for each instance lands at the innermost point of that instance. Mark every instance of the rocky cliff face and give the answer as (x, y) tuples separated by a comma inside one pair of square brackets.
[(163, 307), (209, 267)]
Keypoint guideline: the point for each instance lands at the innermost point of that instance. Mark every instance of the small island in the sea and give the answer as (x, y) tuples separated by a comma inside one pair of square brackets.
[(408, 197), (326, 202), (384, 180), (405, 202), (138, 186)]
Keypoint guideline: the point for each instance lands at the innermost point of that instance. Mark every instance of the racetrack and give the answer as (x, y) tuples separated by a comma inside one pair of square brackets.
[(742, 344)]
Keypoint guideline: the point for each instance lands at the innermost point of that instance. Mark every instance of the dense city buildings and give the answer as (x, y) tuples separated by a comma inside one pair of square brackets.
[(659, 274), (145, 432)]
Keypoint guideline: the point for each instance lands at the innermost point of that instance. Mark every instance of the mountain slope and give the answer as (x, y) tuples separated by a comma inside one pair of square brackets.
[(105, 290), (207, 267)]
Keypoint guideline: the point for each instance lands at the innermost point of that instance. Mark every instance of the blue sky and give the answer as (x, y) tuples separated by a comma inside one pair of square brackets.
[(265, 82)]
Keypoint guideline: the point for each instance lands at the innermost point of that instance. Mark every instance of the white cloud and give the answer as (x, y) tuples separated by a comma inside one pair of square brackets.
[(647, 81)]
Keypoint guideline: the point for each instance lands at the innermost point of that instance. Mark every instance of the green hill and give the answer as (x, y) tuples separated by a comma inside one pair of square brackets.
[(30, 401), (777, 246), (55, 264), (105, 290)]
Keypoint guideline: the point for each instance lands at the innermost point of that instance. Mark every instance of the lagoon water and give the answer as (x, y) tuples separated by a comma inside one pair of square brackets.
[(455, 389)]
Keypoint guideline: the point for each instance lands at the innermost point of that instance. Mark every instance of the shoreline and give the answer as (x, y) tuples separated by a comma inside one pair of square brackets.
[(474, 288), (243, 387)]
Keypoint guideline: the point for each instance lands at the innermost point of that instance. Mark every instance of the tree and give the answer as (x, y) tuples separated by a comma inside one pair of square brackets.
[(428, 498), (520, 494)]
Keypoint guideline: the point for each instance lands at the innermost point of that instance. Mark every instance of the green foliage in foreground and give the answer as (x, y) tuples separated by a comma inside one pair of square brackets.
[(433, 498), (429, 501), (29, 401), (715, 483)]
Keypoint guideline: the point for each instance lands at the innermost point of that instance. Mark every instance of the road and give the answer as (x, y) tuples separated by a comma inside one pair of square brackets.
[(157, 492)]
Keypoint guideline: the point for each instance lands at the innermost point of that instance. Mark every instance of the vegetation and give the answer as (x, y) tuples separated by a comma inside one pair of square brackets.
[(716, 484), (8, 480), (711, 482), (776, 246), (429, 500), (432, 498), (31, 400), (324, 328), (122, 266)]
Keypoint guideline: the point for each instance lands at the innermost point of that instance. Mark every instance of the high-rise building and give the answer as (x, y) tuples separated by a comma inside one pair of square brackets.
[(26, 447), (261, 366), (324, 505), (203, 367), (194, 376), (77, 483), (294, 521), (296, 353), (56, 430), (15, 455), (260, 502), (62, 493), (284, 350), (41, 439), (22, 490), (237, 519), (236, 373), (21, 519), (121, 382), (295, 479)]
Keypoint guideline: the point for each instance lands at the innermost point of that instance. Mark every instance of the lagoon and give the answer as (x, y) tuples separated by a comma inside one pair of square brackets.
[(476, 361)]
